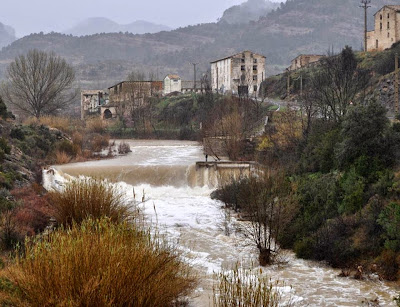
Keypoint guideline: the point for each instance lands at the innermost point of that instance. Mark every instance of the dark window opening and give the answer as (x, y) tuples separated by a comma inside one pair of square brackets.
[(377, 43), (255, 67), (255, 61), (255, 88), (242, 68), (255, 78)]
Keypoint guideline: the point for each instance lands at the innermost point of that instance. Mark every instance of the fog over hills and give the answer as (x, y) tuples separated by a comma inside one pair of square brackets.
[(248, 11), (96, 25), (298, 26), (7, 35)]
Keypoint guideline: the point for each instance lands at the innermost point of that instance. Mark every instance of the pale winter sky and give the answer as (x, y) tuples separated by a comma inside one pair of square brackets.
[(32, 16)]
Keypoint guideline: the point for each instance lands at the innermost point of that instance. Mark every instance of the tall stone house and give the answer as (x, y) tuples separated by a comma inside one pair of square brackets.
[(241, 73), (387, 28), (304, 60)]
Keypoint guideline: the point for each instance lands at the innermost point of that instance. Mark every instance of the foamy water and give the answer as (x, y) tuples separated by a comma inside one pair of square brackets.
[(198, 226)]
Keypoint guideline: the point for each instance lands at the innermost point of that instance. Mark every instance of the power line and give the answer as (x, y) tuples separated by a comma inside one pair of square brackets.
[(365, 6)]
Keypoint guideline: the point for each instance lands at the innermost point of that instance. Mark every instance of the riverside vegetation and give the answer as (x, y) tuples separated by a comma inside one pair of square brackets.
[(336, 169), (97, 255)]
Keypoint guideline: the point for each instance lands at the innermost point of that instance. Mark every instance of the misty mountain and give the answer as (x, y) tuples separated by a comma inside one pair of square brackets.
[(248, 11), (97, 25), (295, 27), (7, 35)]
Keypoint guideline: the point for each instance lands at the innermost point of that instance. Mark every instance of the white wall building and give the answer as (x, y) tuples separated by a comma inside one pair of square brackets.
[(237, 73), (172, 83)]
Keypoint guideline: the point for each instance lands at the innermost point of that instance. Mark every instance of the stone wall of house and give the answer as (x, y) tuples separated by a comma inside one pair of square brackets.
[(387, 29)]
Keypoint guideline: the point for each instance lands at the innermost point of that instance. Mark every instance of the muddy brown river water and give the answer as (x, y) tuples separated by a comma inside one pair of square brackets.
[(165, 172)]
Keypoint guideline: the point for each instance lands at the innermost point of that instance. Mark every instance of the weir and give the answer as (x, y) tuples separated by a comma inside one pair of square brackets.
[(217, 173)]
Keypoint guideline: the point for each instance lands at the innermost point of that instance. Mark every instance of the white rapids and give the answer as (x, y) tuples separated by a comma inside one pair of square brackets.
[(197, 225)]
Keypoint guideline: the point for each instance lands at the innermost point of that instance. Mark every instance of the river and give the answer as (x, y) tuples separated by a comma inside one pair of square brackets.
[(164, 172)]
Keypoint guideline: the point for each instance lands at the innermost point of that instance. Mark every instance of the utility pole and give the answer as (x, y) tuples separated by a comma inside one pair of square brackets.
[(365, 5), (194, 68), (396, 83)]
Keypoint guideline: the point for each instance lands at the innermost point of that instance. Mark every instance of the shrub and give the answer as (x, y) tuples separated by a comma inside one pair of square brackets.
[(124, 148), (388, 265), (84, 198), (247, 288), (99, 263), (97, 142), (95, 125), (62, 157), (69, 148)]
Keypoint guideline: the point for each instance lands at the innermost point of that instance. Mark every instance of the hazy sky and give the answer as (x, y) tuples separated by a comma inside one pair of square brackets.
[(27, 16)]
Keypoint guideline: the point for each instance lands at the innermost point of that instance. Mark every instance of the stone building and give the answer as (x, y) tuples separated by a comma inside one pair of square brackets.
[(304, 60), (241, 73), (125, 96), (172, 83), (387, 28), (91, 102)]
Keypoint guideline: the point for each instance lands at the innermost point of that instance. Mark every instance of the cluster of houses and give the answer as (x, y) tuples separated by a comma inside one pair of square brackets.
[(238, 74)]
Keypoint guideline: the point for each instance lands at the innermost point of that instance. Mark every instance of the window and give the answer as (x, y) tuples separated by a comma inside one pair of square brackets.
[(255, 78), (381, 16), (254, 67), (255, 61), (377, 44), (242, 68), (388, 34), (388, 15), (242, 60), (381, 26), (255, 88), (388, 25)]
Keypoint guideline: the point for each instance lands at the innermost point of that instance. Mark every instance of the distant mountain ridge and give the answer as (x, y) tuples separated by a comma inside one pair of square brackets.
[(7, 35), (97, 25), (248, 11), (295, 27)]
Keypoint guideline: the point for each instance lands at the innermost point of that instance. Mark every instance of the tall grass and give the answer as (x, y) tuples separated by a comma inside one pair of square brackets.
[(62, 157), (100, 263), (89, 198), (245, 288)]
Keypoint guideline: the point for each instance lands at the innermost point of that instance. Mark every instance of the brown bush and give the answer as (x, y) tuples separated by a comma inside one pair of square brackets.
[(34, 212), (100, 263), (97, 142), (84, 198), (62, 157), (124, 148), (95, 125)]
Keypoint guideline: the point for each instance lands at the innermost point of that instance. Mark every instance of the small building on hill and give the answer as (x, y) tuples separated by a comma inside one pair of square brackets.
[(172, 83), (304, 60), (239, 73), (387, 28)]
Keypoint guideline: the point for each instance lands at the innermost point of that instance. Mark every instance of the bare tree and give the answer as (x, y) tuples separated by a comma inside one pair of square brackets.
[(336, 83), (39, 83)]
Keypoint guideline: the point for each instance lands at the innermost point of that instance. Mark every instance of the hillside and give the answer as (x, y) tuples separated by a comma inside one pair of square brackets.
[(7, 35), (97, 25), (298, 26), (248, 11)]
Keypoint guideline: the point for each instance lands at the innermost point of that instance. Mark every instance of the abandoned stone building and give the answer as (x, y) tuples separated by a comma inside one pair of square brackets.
[(304, 60), (241, 73), (387, 28), (92, 101), (125, 96)]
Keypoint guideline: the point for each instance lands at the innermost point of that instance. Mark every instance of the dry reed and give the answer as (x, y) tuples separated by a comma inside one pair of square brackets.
[(100, 263), (89, 198), (246, 288), (62, 157)]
